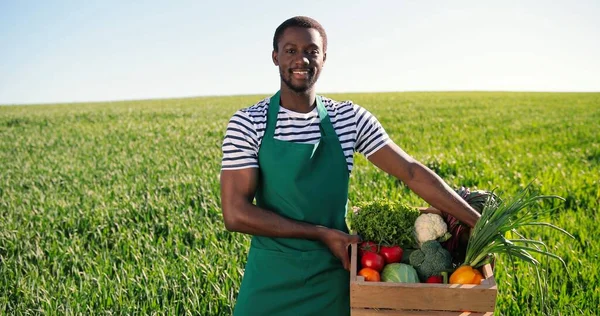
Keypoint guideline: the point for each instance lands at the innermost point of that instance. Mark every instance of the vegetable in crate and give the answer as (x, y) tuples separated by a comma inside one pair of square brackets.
[(399, 272), (372, 260), (496, 232), (385, 222), (406, 255), (466, 274), (457, 243), (430, 260), (430, 226), (443, 278), (435, 279), (391, 254), (367, 246), (370, 275), (478, 198)]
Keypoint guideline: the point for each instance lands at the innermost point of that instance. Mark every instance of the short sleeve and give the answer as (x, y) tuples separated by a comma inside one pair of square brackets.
[(370, 135), (240, 144)]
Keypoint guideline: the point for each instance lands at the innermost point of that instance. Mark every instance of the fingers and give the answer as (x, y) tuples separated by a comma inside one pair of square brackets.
[(346, 262), (355, 239), (346, 258), (339, 244)]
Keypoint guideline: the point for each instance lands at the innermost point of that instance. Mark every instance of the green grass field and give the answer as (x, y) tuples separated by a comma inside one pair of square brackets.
[(113, 208)]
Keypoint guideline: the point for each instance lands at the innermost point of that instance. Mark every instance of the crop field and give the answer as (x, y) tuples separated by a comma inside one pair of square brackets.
[(114, 208)]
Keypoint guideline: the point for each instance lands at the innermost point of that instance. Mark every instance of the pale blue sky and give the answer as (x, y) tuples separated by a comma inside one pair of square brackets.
[(68, 51)]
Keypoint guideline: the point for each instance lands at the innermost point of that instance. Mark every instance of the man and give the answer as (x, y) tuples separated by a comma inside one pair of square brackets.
[(293, 152)]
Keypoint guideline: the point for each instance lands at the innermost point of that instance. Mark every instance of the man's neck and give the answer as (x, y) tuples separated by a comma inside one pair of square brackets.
[(302, 102)]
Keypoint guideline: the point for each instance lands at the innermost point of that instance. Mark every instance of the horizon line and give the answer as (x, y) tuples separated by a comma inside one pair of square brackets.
[(268, 93)]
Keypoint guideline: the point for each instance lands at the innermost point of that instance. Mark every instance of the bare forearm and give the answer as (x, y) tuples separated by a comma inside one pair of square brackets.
[(436, 192), (253, 220), (256, 221), (424, 182), (260, 222)]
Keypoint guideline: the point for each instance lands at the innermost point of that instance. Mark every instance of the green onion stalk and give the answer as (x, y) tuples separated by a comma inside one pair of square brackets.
[(497, 232)]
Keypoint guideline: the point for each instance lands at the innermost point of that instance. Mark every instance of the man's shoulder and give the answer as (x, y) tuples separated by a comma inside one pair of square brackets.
[(258, 108), (345, 106), (339, 105), (254, 113)]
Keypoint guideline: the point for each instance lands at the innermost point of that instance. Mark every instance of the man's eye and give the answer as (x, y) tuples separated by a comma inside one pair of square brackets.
[(290, 51)]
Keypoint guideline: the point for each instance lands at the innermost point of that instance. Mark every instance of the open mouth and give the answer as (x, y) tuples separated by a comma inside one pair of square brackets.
[(301, 73)]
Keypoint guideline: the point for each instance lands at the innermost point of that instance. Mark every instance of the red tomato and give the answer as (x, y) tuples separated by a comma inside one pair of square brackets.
[(366, 246), (435, 279), (369, 274), (391, 254), (372, 260)]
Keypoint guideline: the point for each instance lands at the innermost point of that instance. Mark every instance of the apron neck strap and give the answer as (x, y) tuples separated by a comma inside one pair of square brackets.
[(273, 110)]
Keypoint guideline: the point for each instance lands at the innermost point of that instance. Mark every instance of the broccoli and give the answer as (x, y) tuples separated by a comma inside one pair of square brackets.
[(430, 260)]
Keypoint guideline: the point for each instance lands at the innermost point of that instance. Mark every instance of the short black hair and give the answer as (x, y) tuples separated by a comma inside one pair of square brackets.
[(299, 21)]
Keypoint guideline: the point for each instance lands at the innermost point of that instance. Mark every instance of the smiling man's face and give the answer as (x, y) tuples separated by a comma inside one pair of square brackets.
[(300, 58)]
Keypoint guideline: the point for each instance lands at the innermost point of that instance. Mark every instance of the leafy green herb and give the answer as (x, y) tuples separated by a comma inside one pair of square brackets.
[(385, 222)]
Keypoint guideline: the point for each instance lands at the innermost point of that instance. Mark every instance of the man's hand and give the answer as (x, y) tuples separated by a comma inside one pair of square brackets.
[(338, 243)]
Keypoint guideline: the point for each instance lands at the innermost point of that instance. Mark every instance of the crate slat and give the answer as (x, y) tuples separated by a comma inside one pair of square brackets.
[(376, 312)]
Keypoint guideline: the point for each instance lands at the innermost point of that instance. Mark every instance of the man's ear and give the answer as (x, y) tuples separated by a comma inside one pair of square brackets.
[(324, 58), (274, 56)]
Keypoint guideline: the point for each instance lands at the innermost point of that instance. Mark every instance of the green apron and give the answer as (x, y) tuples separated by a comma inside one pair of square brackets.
[(309, 183)]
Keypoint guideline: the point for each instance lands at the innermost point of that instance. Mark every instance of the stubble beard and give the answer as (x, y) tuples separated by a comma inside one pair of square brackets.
[(312, 79)]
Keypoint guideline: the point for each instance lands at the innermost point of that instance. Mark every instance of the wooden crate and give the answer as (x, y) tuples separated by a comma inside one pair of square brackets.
[(386, 298)]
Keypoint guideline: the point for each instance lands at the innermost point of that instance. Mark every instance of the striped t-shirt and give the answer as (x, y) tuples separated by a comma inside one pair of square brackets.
[(357, 129)]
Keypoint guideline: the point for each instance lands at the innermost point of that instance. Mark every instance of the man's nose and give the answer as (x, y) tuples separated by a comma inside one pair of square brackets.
[(303, 61)]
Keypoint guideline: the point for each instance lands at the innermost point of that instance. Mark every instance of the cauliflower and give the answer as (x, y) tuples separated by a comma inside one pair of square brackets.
[(429, 226), (430, 260)]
